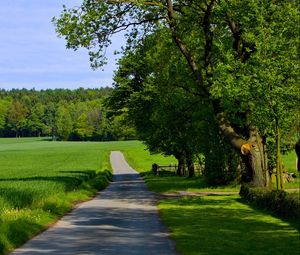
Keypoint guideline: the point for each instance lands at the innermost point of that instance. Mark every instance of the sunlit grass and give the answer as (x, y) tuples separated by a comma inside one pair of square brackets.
[(213, 225)]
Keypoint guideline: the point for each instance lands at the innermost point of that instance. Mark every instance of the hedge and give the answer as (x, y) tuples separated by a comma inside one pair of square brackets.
[(278, 201)]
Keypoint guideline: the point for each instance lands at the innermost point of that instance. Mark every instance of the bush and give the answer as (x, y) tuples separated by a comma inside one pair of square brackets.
[(278, 201)]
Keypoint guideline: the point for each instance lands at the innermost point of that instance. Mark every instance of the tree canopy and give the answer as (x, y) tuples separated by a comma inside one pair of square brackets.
[(240, 55)]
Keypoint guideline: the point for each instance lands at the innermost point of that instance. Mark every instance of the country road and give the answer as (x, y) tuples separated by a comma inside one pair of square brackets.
[(120, 220)]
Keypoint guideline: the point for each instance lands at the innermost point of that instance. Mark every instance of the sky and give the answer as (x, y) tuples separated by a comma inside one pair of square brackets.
[(32, 55)]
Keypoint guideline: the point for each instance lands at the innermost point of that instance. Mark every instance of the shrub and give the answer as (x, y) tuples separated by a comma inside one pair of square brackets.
[(278, 201)]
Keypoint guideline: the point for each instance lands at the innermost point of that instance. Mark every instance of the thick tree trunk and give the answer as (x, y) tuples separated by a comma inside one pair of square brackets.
[(252, 150)]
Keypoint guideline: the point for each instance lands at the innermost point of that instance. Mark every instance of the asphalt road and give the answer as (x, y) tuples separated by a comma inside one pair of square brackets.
[(121, 220)]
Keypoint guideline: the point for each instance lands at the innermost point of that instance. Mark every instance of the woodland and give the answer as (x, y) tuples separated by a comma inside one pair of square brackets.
[(61, 114)]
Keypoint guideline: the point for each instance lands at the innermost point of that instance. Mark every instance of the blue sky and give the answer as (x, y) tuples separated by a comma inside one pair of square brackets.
[(32, 56)]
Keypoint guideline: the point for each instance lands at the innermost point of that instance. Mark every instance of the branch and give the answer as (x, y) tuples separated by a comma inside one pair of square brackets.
[(208, 39), (242, 48), (184, 50), (126, 26), (148, 3), (229, 133), (188, 90)]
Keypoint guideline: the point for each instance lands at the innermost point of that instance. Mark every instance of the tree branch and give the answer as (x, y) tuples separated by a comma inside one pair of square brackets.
[(148, 3), (183, 48)]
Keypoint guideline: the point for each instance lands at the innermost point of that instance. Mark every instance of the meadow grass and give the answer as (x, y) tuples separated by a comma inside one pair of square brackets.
[(289, 162), (41, 180)]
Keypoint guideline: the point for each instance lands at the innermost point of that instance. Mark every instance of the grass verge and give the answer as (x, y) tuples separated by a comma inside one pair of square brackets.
[(216, 225)]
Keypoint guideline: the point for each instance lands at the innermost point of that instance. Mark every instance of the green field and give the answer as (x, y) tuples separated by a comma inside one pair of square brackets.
[(42, 180)]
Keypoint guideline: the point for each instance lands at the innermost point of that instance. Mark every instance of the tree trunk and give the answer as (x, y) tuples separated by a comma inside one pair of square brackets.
[(252, 150), (180, 168), (256, 157), (297, 150), (191, 168)]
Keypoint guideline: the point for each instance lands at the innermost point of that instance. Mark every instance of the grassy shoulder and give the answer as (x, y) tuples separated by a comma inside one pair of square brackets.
[(214, 224)]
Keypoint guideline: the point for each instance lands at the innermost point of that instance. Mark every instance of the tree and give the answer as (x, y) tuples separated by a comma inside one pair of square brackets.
[(35, 119), (16, 118), (205, 33), (5, 105), (52, 112), (50, 119), (64, 122)]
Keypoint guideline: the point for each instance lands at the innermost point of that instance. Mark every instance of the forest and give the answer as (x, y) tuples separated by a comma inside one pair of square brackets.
[(62, 114)]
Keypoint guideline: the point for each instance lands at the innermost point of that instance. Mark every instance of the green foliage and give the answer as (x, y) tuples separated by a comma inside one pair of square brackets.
[(221, 162), (264, 88), (4, 107), (62, 114), (277, 201)]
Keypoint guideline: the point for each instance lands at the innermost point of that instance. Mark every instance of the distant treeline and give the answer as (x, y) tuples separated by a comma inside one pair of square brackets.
[(60, 113)]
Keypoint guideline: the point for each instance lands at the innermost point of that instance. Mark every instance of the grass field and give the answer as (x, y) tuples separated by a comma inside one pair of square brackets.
[(42, 180)]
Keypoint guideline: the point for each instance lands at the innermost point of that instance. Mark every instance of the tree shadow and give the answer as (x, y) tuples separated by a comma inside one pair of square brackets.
[(293, 222)]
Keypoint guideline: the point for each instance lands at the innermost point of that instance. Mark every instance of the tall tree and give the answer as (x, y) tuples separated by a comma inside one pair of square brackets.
[(35, 121), (64, 123), (205, 32), (16, 118)]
